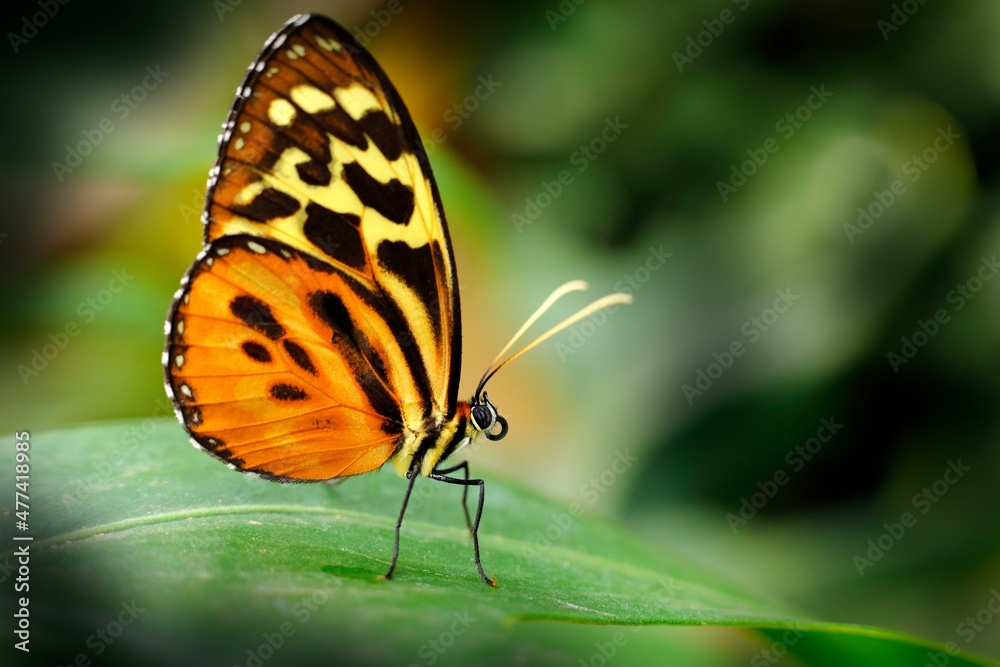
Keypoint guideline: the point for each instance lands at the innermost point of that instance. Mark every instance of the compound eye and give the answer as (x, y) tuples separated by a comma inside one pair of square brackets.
[(484, 416), (486, 419)]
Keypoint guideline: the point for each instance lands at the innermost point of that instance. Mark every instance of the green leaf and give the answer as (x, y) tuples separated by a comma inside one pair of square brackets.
[(145, 551)]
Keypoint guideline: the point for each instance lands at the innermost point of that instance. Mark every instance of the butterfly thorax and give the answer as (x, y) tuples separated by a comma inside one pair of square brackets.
[(438, 437), (435, 440)]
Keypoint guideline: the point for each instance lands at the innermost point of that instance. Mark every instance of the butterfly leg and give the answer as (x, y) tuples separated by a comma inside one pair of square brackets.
[(411, 475), (474, 528), (464, 467)]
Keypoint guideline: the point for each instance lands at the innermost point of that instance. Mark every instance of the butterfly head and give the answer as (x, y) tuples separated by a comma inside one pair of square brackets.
[(485, 418)]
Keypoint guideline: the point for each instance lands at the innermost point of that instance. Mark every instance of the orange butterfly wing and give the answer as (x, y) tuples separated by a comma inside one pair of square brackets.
[(317, 334), (276, 382)]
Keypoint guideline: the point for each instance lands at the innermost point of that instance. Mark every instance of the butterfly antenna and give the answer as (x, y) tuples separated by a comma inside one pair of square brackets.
[(618, 298)]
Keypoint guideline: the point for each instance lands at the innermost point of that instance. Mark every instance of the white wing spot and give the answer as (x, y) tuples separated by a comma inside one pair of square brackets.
[(245, 126), (180, 328), (271, 72), (179, 360), (256, 247), (186, 390), (238, 145)]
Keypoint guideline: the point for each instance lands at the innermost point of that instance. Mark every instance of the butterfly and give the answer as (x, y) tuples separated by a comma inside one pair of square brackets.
[(317, 335)]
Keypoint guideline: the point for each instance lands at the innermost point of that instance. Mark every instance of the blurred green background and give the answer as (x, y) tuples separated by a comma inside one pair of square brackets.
[(802, 196)]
